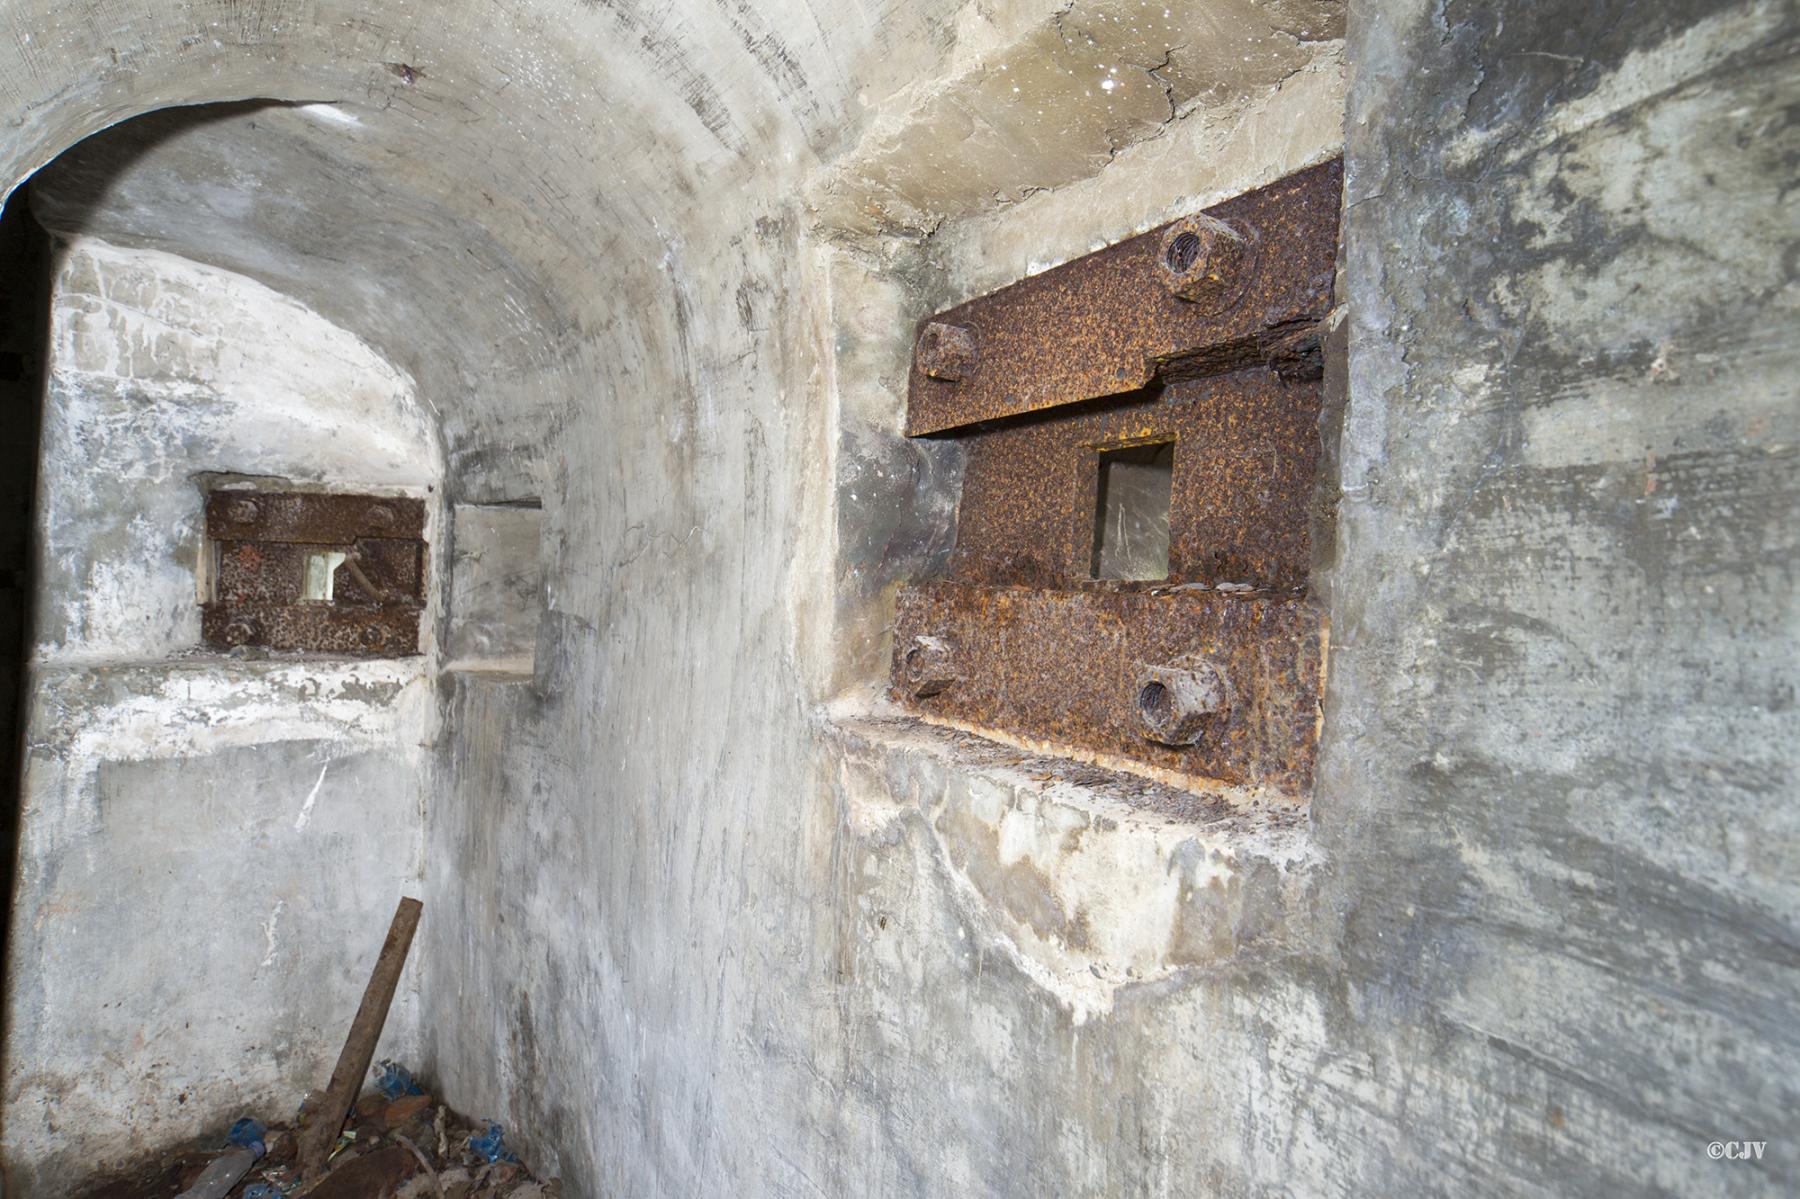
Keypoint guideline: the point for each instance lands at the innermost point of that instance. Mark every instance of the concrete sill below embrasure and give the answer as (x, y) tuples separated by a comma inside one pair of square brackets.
[(86, 713), (494, 670), (1092, 881)]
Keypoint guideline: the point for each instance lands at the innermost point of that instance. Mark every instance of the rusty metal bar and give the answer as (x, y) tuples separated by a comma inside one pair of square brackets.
[(1218, 291), (1074, 667), (309, 517), (371, 631)]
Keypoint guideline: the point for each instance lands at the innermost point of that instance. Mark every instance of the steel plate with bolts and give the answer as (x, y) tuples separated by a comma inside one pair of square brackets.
[(1139, 498), (363, 556)]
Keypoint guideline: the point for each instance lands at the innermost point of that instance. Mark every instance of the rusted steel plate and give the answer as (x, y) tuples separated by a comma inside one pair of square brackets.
[(378, 571), (311, 518), (260, 571), (1246, 448), (381, 571), (1110, 323), (1071, 667), (263, 540), (388, 631)]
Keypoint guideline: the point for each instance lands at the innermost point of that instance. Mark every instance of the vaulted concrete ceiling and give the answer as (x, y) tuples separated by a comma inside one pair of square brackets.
[(335, 210), (484, 192), (335, 206)]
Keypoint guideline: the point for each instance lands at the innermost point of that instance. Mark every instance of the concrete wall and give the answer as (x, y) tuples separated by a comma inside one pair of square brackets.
[(211, 845), (702, 918), (1561, 769)]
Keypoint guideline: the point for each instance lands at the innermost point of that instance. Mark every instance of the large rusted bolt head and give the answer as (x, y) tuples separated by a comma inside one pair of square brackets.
[(1204, 261), (1174, 702), (242, 512), (929, 665), (947, 351), (374, 637), (240, 630), (381, 517)]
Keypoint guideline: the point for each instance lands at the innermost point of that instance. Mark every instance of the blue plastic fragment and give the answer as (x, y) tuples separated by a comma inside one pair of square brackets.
[(393, 1080), (248, 1132), (261, 1190), (490, 1146)]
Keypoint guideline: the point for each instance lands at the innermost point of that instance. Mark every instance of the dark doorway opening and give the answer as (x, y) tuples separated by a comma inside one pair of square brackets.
[(25, 267)]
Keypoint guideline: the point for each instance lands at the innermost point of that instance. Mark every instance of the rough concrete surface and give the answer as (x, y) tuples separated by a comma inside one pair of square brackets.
[(209, 845), (691, 927), (496, 587)]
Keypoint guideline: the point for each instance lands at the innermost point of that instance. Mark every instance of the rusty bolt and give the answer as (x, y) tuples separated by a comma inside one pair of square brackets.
[(929, 666), (1175, 701), (381, 516), (1204, 261), (947, 351), (242, 512), (240, 630), (373, 637)]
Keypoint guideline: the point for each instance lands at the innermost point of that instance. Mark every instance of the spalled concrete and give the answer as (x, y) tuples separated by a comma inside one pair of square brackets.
[(695, 923)]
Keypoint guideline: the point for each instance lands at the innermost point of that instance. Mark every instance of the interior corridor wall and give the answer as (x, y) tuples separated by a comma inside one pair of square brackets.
[(204, 835)]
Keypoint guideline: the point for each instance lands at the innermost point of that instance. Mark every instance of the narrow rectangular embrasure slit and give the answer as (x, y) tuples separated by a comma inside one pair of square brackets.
[(1131, 515), (321, 570)]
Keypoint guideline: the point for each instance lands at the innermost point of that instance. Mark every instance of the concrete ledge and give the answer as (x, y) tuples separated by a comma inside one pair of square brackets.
[(1090, 879)]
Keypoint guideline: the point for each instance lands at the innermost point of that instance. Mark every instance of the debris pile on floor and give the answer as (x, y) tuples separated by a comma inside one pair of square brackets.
[(389, 1143), (399, 1143)]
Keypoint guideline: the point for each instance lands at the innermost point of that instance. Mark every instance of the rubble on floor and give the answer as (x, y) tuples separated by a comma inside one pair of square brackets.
[(396, 1145)]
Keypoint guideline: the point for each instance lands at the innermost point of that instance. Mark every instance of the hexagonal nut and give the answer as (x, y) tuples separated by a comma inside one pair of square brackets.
[(1204, 261), (947, 352), (928, 666), (1176, 701), (240, 630)]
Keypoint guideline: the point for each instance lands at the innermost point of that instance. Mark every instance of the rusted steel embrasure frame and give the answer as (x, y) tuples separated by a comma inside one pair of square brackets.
[(1118, 318), (262, 541), (1205, 334)]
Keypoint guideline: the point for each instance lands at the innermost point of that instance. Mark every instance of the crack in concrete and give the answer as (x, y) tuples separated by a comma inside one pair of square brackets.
[(306, 808)]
